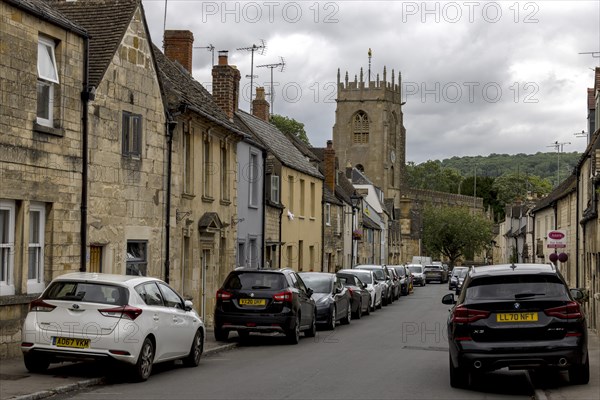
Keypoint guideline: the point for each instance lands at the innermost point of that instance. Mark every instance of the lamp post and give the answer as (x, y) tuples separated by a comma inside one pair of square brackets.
[(354, 200)]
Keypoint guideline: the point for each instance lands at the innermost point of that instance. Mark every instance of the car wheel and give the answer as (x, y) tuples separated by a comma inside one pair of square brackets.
[(368, 311), (358, 314), (312, 331), (36, 362), (221, 335), (193, 359), (293, 335), (332, 320), (459, 377), (580, 374), (143, 366), (346, 320), (380, 303)]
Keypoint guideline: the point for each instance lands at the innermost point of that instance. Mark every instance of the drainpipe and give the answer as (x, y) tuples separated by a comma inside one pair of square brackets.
[(577, 171), (280, 244), (170, 127), (323, 234), (87, 95), (264, 216)]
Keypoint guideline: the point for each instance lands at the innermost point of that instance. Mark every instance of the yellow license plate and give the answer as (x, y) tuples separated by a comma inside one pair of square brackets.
[(253, 302), (517, 317), (72, 342)]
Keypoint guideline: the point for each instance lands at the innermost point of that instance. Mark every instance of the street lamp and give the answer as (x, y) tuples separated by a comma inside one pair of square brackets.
[(355, 201)]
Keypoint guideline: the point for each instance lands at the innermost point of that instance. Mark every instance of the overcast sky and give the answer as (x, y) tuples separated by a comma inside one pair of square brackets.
[(478, 77)]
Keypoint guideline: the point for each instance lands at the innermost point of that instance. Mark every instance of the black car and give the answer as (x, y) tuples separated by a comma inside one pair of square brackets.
[(520, 316), (330, 296), (253, 300), (456, 274), (435, 273), (403, 274), (360, 298)]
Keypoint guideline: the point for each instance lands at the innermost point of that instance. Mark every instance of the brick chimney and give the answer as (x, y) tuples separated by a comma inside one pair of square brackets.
[(226, 85), (179, 46), (329, 166), (260, 106)]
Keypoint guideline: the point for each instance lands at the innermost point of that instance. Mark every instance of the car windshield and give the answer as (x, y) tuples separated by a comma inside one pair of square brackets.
[(400, 271), (416, 270), (462, 273), (88, 292), (318, 283), (364, 276), (516, 287), (379, 274), (254, 281)]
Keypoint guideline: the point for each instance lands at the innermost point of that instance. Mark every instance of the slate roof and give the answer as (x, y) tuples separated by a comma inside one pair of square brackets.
[(279, 144), (106, 21), (358, 178), (567, 186), (344, 189), (182, 90), (329, 197), (43, 10)]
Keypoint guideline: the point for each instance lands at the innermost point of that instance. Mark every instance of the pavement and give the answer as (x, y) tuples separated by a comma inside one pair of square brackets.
[(16, 383)]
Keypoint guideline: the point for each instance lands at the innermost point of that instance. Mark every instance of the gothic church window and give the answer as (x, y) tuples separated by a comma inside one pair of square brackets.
[(360, 128)]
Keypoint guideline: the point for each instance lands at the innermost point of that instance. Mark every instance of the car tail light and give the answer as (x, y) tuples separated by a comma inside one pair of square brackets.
[(569, 311), (350, 290), (124, 311), (40, 305), (286, 296), (463, 314), (223, 295)]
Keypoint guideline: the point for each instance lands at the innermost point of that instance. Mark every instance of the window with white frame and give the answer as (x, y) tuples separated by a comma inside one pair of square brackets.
[(132, 134), (7, 247), (47, 79), (137, 258), (37, 226), (327, 214), (275, 189), (188, 159)]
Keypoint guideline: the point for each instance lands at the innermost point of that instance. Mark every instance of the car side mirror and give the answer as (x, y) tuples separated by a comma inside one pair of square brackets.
[(578, 294), (364, 285), (337, 290), (188, 305), (448, 299), (309, 292)]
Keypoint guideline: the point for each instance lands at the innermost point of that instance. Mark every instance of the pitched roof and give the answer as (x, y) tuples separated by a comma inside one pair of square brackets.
[(279, 144), (106, 21), (44, 10), (329, 197), (182, 90), (567, 186), (359, 178)]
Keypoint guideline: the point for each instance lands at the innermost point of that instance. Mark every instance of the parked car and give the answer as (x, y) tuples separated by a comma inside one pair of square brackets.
[(374, 288), (459, 278), (331, 297), (417, 273), (520, 316), (261, 300), (435, 273), (135, 320), (360, 298), (456, 272), (383, 280), (395, 282), (404, 278)]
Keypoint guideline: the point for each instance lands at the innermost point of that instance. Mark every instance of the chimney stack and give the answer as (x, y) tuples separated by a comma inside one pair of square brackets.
[(260, 106), (226, 85), (179, 46), (329, 166)]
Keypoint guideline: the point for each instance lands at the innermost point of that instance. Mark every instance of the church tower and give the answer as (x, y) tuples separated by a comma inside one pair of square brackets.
[(369, 132)]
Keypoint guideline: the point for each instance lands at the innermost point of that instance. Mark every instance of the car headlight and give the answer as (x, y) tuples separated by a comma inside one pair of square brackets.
[(323, 300)]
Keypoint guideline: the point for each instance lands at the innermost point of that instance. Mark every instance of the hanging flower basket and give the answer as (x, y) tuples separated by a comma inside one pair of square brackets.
[(357, 234)]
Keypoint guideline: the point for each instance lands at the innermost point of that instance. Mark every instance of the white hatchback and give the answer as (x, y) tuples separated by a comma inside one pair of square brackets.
[(136, 320)]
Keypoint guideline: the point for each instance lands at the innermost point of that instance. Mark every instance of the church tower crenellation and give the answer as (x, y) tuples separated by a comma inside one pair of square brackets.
[(368, 132)]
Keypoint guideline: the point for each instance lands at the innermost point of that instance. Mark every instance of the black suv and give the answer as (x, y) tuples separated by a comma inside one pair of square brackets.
[(253, 300), (520, 316)]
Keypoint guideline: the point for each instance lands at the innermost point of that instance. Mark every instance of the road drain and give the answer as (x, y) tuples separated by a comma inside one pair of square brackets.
[(429, 348)]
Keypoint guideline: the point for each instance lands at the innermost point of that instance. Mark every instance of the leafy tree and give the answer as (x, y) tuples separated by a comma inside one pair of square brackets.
[(431, 175), (290, 126), (453, 231), (514, 186)]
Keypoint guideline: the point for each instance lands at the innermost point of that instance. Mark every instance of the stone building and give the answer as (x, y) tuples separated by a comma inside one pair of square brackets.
[(43, 76), (204, 172)]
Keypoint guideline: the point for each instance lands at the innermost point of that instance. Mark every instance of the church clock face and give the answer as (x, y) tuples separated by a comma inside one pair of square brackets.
[(392, 156)]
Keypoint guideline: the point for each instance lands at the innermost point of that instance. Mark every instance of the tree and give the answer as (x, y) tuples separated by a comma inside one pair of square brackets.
[(512, 186), (453, 231), (290, 126), (431, 175)]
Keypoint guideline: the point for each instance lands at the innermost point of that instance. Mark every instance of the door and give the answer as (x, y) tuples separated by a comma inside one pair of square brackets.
[(95, 259), (179, 331)]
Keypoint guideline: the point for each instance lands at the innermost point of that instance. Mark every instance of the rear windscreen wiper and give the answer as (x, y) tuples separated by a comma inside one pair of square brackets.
[(528, 294)]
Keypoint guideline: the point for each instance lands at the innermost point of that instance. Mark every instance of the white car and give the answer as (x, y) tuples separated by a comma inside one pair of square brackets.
[(418, 274), (368, 278), (136, 320)]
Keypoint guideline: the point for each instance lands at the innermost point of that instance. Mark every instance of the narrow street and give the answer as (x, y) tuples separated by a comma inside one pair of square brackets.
[(398, 352)]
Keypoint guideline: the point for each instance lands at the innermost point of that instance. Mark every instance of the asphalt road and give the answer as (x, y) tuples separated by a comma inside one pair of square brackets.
[(398, 352)]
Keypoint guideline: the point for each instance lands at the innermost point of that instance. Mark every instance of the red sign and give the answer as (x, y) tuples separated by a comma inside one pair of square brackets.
[(556, 235), (557, 239)]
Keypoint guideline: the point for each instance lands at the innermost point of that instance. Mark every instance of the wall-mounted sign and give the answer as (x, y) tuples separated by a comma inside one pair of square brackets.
[(557, 239)]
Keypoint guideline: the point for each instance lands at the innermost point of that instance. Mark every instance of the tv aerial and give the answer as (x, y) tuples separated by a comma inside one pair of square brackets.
[(281, 65), (210, 48), (261, 49)]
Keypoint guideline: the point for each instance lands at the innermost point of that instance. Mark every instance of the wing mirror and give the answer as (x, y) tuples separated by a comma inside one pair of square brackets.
[(448, 299), (309, 292), (188, 305)]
